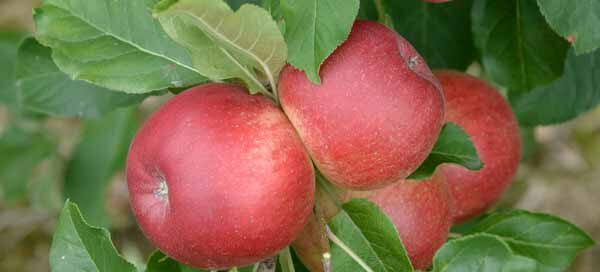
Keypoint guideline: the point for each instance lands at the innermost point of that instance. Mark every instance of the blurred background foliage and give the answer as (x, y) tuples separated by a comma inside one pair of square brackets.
[(44, 160)]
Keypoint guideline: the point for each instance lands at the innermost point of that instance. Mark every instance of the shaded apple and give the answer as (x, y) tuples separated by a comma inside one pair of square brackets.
[(219, 178), (488, 119), (421, 212), (376, 114)]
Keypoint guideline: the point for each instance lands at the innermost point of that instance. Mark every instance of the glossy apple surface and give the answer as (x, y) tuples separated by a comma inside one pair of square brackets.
[(421, 212), (488, 119), (219, 178), (376, 114)]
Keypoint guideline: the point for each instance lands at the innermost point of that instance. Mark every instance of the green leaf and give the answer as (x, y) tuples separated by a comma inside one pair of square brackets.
[(77, 246), (245, 269), (519, 263), (273, 7), (529, 145), (159, 262), (549, 240), (480, 252), (286, 261), (236, 4), (289, 262), (224, 44), (44, 88), (9, 42), (576, 92), (518, 49), (21, 152), (368, 10), (453, 146), (314, 29), (576, 20), (367, 231), (96, 159), (466, 227), (440, 32), (114, 44)]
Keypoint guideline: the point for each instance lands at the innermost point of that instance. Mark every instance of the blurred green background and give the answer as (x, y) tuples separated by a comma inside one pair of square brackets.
[(561, 175)]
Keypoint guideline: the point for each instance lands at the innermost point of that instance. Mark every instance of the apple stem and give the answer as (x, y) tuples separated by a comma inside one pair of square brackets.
[(347, 249), (275, 93), (269, 95)]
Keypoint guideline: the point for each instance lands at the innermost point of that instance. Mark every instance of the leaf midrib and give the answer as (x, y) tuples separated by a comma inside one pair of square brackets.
[(111, 34), (367, 241), (226, 39)]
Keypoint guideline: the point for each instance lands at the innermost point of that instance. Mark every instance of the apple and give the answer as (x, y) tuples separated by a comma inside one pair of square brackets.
[(219, 178), (421, 212), (488, 119), (376, 114)]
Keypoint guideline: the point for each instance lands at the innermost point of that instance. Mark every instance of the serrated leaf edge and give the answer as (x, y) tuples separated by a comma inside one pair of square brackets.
[(108, 33), (578, 50)]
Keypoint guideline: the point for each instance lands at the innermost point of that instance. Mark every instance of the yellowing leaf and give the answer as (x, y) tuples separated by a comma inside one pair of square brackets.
[(224, 44)]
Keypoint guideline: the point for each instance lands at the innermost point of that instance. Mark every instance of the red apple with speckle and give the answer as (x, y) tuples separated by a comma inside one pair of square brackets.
[(421, 212), (376, 114), (219, 178), (488, 119)]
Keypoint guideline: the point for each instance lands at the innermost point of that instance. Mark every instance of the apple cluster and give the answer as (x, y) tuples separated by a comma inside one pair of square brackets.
[(220, 178)]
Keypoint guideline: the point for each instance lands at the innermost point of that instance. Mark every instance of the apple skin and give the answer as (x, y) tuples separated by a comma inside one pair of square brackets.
[(488, 119), (240, 184), (421, 212), (376, 114)]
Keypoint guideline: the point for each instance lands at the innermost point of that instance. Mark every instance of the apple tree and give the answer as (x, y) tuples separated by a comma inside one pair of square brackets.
[(298, 135)]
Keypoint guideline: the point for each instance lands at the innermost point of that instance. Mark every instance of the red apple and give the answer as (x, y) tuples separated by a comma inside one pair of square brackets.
[(219, 178), (376, 114), (488, 119), (421, 212)]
